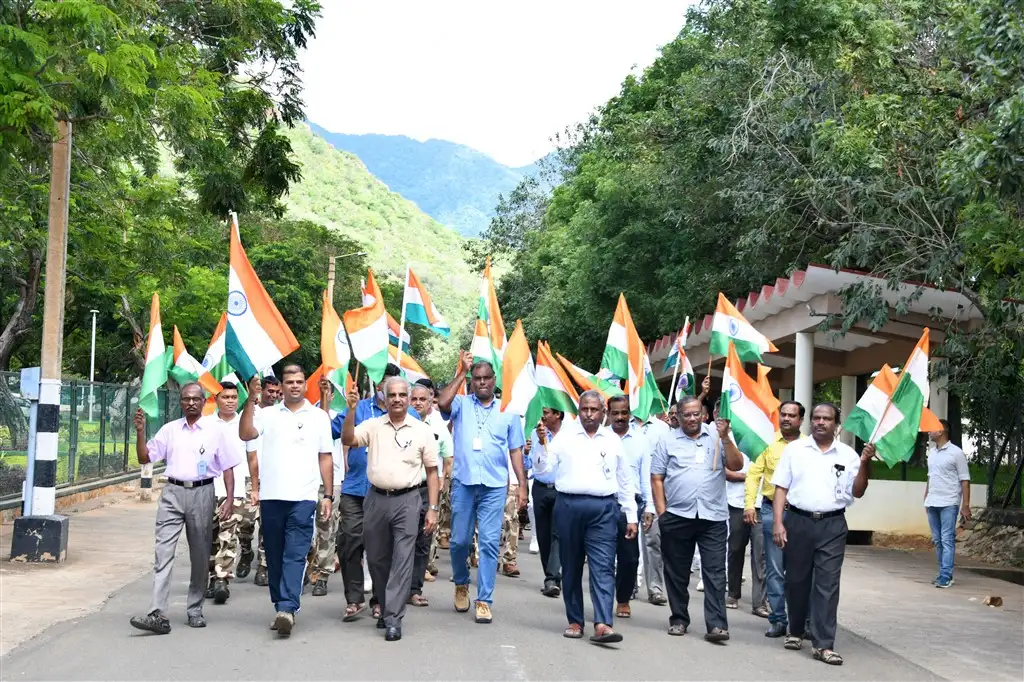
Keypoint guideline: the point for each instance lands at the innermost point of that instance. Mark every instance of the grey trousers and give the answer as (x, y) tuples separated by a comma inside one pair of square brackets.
[(814, 561), (191, 509), (654, 567), (390, 528)]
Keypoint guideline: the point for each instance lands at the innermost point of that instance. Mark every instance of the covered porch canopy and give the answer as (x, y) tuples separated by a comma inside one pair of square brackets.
[(791, 311)]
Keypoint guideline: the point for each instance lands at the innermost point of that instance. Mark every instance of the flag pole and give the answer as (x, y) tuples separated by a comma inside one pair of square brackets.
[(675, 375), (401, 325)]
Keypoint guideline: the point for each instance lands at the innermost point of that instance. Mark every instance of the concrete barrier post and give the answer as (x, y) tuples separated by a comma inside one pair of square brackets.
[(146, 483)]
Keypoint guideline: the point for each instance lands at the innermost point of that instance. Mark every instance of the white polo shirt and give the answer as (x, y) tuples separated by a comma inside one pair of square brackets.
[(237, 446), (817, 481), (290, 451), (593, 465)]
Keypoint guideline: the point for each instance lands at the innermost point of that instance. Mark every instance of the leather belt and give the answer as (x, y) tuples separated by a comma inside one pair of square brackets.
[(542, 484), (817, 515), (395, 493), (190, 484)]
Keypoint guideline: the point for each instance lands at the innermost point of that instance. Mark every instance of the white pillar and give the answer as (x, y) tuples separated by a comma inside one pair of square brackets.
[(938, 396), (849, 392), (785, 394), (803, 382)]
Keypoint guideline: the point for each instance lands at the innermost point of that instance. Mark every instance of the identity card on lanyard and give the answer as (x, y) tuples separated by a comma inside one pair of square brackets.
[(481, 421)]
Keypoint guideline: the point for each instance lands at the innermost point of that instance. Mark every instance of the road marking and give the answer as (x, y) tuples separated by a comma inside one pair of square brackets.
[(516, 671)]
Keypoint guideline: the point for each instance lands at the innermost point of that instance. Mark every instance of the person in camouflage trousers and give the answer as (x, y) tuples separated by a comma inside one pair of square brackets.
[(246, 534), (322, 553), (444, 516), (510, 533)]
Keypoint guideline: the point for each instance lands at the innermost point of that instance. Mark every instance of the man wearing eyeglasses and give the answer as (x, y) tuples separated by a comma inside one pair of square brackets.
[(688, 486), (196, 453), (398, 450)]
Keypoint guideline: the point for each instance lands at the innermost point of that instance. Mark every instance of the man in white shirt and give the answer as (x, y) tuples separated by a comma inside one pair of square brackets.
[(635, 450), (818, 477), (225, 533), (595, 484), (297, 457), (947, 492)]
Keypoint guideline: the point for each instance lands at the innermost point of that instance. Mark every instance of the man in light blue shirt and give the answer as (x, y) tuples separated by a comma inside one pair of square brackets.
[(688, 484), (485, 438), (948, 491)]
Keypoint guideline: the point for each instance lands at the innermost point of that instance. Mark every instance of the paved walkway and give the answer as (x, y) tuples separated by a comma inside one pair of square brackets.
[(71, 622)]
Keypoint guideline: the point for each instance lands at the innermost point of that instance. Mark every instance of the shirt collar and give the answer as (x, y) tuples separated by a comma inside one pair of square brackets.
[(306, 405), (811, 444), (197, 426), (705, 430), (476, 401)]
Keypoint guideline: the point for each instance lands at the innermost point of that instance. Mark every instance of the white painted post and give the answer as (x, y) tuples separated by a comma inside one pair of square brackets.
[(803, 383)]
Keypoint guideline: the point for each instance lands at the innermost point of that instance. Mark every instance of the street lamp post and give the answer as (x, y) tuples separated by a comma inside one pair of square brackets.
[(92, 363)]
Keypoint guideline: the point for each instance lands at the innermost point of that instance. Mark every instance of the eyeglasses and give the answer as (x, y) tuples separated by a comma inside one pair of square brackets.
[(690, 415)]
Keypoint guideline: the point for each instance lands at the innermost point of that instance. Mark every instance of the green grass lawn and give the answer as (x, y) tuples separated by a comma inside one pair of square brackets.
[(111, 457)]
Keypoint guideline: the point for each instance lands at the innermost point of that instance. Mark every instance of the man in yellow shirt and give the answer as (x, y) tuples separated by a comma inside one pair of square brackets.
[(759, 477)]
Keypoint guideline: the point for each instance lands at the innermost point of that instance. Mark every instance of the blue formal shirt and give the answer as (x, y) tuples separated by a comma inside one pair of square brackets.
[(499, 433), (636, 448), (355, 482), (693, 489)]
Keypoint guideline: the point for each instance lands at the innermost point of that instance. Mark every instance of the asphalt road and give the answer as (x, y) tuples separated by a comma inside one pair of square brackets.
[(523, 643)]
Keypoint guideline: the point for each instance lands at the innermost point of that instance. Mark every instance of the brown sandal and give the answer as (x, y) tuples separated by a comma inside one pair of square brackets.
[(574, 631), (352, 612), (418, 600), (623, 611)]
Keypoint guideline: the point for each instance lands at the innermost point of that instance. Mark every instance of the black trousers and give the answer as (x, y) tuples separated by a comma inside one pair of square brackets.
[(350, 544), (679, 537), (627, 561), (814, 560), (422, 556), (547, 537)]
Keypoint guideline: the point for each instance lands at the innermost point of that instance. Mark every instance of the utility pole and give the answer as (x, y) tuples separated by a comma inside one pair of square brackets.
[(330, 279), (92, 363), (43, 536)]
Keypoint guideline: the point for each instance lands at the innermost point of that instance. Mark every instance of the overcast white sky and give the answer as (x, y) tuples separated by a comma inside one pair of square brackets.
[(501, 77)]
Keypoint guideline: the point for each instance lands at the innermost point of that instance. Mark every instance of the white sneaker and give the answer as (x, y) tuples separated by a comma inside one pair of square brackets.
[(700, 585), (534, 546)]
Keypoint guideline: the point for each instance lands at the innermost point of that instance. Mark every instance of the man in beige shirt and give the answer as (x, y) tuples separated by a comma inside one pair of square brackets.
[(398, 449)]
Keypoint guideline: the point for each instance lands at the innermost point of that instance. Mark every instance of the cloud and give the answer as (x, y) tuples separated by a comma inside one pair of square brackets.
[(501, 77)]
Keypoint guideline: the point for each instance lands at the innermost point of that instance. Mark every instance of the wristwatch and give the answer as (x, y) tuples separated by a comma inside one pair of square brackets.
[(329, 497), (433, 507)]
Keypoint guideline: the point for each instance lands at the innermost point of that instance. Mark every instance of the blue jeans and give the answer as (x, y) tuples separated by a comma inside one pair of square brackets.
[(943, 524), (482, 508), (287, 534), (774, 569)]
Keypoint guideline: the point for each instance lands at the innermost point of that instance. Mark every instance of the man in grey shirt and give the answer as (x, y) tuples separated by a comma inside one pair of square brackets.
[(688, 486), (947, 492)]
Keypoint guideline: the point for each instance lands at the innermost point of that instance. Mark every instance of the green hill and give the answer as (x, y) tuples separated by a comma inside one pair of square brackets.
[(339, 192)]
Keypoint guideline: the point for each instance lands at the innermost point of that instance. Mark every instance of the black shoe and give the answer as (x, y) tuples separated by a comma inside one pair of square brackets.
[(550, 590), (320, 587), (196, 622), (717, 635), (775, 630), (380, 624), (393, 634), (221, 592), (209, 588), (154, 621), (244, 564), (260, 579)]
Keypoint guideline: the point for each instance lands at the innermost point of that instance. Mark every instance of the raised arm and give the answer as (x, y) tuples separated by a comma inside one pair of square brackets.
[(448, 393), (246, 428)]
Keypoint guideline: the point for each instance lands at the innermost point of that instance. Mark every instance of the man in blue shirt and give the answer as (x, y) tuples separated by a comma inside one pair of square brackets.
[(353, 491), (485, 438)]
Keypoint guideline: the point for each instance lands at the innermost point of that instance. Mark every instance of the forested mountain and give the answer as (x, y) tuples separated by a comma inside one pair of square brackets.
[(337, 191), (455, 185)]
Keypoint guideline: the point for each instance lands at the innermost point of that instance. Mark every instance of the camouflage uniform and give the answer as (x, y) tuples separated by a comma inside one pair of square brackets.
[(510, 526), (225, 540), (322, 553), (247, 528), (444, 516)]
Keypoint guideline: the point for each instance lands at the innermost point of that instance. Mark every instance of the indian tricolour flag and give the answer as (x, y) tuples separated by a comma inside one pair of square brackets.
[(257, 335), (744, 405), (892, 411), (216, 363), (461, 390), (368, 332), (729, 325), (335, 353), (626, 357), (395, 331), (687, 382), (766, 390), (185, 368), (409, 368), (418, 307), (554, 389), (588, 381), (481, 344), (155, 373), (490, 313), (520, 381), (678, 346)]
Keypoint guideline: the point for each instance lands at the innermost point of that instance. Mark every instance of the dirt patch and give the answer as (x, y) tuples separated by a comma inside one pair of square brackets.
[(904, 542)]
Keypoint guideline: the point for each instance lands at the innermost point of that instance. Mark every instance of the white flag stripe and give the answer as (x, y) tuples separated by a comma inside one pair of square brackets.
[(257, 344), (740, 330)]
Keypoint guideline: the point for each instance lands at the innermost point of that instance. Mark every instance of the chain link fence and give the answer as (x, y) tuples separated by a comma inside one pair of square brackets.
[(97, 437)]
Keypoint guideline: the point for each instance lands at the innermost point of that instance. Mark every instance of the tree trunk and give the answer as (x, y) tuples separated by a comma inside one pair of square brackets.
[(20, 322), (139, 347)]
